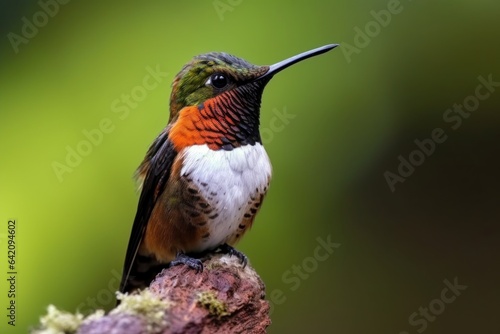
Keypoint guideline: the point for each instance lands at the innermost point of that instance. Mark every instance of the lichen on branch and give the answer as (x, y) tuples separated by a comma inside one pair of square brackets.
[(225, 298)]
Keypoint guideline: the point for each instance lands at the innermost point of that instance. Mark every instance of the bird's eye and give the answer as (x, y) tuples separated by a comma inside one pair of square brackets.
[(218, 80)]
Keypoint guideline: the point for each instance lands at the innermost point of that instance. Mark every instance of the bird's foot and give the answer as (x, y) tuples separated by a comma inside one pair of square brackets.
[(191, 262), (226, 249)]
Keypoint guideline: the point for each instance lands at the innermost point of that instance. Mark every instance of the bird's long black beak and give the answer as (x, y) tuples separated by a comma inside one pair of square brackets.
[(275, 68)]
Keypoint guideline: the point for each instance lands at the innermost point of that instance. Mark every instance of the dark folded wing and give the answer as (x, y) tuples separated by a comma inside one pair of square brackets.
[(156, 171)]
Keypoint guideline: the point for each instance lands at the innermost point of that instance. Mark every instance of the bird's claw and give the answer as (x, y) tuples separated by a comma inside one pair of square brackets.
[(226, 249), (191, 262)]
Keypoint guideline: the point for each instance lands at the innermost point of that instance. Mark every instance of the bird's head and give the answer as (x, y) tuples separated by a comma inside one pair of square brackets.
[(218, 96), (209, 75)]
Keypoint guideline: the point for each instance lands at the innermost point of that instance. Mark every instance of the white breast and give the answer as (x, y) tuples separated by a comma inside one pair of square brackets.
[(234, 176)]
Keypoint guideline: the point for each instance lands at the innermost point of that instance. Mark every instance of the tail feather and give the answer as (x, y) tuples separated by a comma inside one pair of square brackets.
[(144, 270)]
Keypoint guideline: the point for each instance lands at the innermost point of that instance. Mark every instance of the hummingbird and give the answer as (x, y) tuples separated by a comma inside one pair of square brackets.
[(204, 178)]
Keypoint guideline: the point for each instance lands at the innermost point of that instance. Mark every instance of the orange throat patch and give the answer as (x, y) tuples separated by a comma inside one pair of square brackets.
[(206, 124)]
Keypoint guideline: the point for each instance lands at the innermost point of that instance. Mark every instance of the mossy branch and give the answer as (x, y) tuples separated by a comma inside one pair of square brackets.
[(224, 298)]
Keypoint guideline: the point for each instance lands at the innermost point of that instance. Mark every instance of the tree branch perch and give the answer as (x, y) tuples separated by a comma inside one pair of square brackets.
[(224, 298)]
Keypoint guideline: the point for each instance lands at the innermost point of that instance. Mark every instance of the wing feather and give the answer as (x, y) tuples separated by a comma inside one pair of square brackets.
[(155, 171)]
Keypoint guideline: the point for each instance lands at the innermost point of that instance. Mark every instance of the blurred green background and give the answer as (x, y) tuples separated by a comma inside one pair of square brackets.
[(355, 110)]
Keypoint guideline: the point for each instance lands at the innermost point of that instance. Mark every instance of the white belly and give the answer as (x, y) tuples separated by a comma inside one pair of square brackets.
[(234, 176)]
